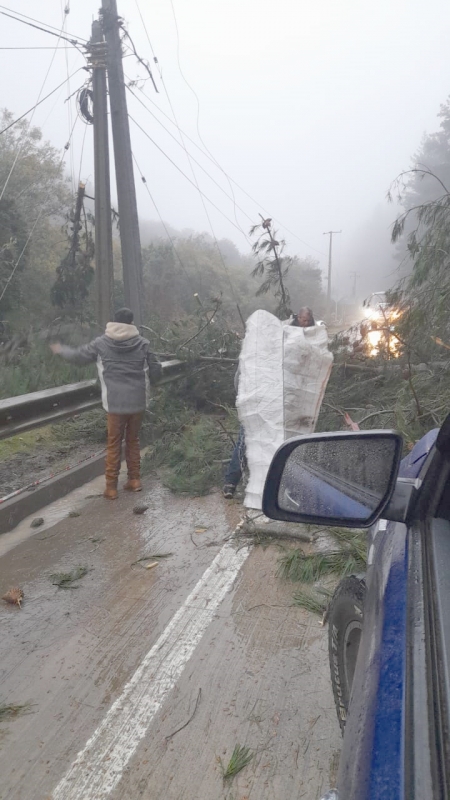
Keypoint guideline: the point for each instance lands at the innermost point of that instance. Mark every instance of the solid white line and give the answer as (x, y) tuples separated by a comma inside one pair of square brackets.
[(98, 767)]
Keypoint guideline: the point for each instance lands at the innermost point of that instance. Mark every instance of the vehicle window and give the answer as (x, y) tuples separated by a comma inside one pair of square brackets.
[(443, 510)]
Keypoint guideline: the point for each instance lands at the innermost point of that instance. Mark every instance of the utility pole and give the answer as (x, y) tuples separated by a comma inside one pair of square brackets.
[(355, 276), (126, 190), (330, 256), (103, 224)]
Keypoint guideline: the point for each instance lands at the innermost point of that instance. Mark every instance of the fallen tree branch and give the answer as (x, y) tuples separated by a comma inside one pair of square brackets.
[(208, 322), (171, 735)]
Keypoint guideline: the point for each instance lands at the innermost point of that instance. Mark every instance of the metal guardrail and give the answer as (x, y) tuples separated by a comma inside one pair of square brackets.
[(27, 411)]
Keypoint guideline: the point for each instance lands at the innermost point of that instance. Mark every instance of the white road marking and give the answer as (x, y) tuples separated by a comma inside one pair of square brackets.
[(98, 767)]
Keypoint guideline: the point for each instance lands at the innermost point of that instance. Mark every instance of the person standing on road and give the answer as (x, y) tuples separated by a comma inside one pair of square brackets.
[(126, 368), (238, 462)]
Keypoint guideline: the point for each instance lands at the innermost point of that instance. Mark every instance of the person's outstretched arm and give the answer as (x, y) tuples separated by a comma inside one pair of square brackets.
[(85, 354)]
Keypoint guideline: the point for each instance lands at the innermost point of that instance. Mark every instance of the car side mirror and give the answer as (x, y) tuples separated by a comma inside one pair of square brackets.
[(345, 478)]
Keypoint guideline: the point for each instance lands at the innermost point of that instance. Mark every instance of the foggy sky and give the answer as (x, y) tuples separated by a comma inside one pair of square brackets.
[(312, 106)]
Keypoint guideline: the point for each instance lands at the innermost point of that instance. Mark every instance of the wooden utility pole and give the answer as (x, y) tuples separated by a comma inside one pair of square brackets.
[(355, 276), (330, 256), (126, 190), (103, 225)]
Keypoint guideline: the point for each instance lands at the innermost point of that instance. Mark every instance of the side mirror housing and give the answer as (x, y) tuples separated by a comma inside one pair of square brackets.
[(345, 479)]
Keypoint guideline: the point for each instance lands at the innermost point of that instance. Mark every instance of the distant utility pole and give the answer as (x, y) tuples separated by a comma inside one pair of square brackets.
[(330, 256), (126, 190), (355, 276), (103, 225)]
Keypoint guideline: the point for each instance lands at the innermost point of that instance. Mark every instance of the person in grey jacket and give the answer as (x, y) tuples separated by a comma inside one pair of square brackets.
[(126, 368)]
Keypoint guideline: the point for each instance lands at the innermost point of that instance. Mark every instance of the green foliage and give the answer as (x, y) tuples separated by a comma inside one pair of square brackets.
[(66, 580), (9, 710), (348, 557), (189, 453), (12, 242), (296, 566), (240, 757), (37, 188), (75, 273), (34, 367), (422, 234), (272, 265), (314, 600)]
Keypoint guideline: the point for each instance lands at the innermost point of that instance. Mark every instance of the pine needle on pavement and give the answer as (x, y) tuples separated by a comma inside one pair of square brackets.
[(240, 757)]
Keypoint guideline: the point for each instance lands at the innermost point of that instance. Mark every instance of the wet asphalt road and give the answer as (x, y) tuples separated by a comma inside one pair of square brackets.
[(141, 682)]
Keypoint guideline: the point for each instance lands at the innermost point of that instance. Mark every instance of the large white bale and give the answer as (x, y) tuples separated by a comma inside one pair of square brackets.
[(283, 373)]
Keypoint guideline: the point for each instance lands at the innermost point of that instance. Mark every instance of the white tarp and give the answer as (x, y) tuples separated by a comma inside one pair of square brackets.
[(283, 373)]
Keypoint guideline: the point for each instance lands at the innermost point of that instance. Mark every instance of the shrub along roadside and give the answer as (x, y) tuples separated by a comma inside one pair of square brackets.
[(187, 449)]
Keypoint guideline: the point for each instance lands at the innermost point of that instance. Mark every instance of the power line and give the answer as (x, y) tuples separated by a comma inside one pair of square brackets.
[(13, 272), (65, 10), (213, 161), (183, 146), (183, 173), (170, 238), (198, 110), (206, 152), (64, 47), (148, 35), (47, 25), (33, 108), (73, 42)]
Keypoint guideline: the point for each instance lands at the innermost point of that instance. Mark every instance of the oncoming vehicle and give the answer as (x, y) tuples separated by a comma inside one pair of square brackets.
[(376, 307), (389, 630), (377, 328)]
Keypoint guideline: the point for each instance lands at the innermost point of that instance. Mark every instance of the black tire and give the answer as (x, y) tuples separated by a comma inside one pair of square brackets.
[(345, 620)]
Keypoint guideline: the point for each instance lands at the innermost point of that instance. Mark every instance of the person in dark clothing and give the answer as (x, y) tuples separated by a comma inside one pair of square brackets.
[(236, 466), (126, 368), (238, 462)]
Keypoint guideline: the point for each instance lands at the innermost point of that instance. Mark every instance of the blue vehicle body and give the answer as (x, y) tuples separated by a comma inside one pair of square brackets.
[(372, 762)]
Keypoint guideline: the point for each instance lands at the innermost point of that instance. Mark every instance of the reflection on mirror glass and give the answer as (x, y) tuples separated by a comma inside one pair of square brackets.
[(346, 478)]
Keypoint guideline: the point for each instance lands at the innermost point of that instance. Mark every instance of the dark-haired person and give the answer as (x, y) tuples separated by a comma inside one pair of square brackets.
[(304, 318), (126, 368)]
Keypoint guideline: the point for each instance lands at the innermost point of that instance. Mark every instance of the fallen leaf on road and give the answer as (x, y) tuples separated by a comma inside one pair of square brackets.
[(13, 596)]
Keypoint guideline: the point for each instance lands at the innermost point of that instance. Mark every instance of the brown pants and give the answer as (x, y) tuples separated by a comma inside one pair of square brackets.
[(118, 426)]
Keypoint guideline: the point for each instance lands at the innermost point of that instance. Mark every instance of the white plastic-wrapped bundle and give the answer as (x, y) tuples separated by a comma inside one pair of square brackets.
[(283, 373)]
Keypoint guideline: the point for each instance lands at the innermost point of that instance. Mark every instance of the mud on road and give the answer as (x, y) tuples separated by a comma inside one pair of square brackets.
[(142, 681)]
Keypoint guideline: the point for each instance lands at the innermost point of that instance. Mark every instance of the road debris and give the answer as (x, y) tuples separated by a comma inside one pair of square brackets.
[(73, 514), (65, 580), (13, 596), (12, 710), (171, 735), (141, 509), (153, 564), (240, 757), (37, 522), (150, 558)]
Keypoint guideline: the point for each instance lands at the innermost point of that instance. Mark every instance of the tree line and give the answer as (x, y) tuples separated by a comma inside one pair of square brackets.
[(51, 274)]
